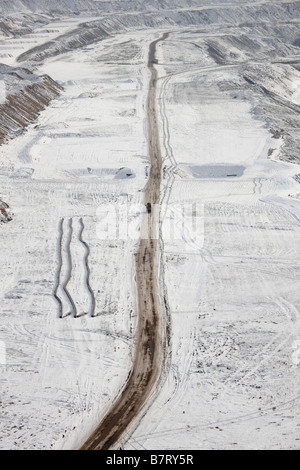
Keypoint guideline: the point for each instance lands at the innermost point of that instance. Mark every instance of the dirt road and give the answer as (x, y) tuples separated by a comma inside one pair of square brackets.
[(151, 336)]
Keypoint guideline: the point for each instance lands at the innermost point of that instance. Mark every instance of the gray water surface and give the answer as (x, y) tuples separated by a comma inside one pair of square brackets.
[(216, 171)]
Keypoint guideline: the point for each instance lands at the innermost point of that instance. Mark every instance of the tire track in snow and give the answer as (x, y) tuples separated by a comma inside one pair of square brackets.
[(169, 170), (284, 405), (93, 302), (69, 262), (152, 342)]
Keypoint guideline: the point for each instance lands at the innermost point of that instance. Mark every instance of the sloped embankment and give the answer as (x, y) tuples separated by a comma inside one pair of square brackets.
[(22, 107), (5, 215)]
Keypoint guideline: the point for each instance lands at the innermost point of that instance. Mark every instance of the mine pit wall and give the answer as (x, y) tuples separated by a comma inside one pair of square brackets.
[(22, 108)]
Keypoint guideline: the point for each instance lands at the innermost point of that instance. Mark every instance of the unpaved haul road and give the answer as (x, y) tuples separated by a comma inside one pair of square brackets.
[(151, 335)]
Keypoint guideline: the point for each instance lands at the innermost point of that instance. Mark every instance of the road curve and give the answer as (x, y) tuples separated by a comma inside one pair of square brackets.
[(151, 334)]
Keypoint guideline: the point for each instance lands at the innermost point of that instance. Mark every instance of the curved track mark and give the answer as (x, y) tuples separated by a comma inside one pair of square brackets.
[(65, 284)]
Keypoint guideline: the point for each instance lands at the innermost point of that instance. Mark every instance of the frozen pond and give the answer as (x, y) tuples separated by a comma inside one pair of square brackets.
[(216, 171)]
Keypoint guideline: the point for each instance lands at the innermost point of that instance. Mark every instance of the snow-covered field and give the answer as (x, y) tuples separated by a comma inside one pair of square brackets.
[(231, 245)]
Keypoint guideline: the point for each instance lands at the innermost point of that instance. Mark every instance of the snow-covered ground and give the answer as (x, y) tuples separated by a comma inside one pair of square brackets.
[(232, 283), (231, 248), (11, 48), (69, 166)]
